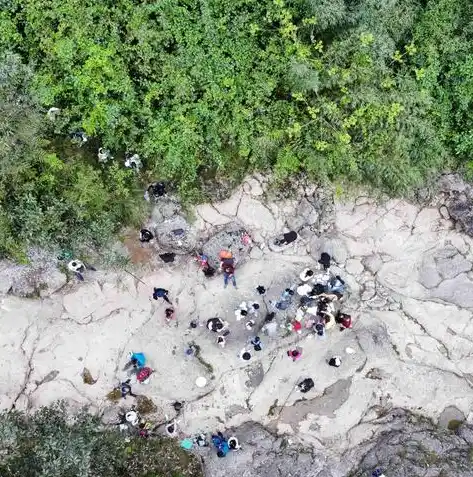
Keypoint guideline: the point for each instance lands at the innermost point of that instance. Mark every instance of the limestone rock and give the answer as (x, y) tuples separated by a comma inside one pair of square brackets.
[(372, 263), (458, 291), (444, 212), (459, 201), (52, 282), (254, 215), (354, 266), (229, 238), (416, 448)]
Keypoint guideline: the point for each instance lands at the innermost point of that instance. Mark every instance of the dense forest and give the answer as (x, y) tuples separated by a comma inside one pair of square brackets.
[(374, 92)]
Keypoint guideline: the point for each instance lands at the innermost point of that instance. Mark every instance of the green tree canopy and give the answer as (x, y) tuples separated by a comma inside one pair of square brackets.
[(371, 92)]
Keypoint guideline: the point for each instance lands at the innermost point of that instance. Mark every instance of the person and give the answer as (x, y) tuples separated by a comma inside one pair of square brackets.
[(144, 429), (304, 290), (343, 320), (169, 314), (132, 417), (377, 473), (295, 354), (209, 272), (167, 257), (307, 301), (306, 385), (177, 405), (125, 389), (306, 274), (161, 293), (336, 361), (245, 355), (254, 308), (133, 161), (288, 238), (79, 137), (201, 440), (261, 289), (104, 155), (53, 113), (146, 236), (324, 260), (318, 289), (320, 328), (229, 274), (78, 268), (171, 428), (328, 318), (155, 190), (136, 360), (257, 344), (144, 374), (296, 327), (250, 324), (269, 317), (215, 324), (241, 311), (337, 286), (285, 300), (205, 266), (233, 443), (221, 341), (221, 444)]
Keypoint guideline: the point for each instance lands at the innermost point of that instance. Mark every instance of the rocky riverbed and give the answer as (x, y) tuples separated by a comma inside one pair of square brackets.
[(410, 290)]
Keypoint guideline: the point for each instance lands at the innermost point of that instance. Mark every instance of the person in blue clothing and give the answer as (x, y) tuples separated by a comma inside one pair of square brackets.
[(136, 361), (221, 444), (161, 293)]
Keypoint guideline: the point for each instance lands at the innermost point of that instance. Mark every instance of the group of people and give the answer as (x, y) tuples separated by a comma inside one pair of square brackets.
[(135, 367), (224, 445)]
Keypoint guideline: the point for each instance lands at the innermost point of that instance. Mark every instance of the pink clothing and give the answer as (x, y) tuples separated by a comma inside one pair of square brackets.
[(295, 354)]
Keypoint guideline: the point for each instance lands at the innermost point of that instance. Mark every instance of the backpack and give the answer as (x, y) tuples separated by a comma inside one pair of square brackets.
[(225, 254), (143, 374)]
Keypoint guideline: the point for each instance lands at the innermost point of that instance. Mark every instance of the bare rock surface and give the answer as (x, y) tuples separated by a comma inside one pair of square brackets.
[(410, 292)]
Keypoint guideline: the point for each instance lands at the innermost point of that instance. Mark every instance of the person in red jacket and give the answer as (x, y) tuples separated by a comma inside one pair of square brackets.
[(344, 321), (228, 274)]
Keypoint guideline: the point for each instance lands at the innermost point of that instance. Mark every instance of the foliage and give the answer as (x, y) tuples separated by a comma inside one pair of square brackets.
[(46, 199), (54, 444), (372, 92)]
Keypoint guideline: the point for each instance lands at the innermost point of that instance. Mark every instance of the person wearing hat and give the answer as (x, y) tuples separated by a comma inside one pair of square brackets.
[(78, 268), (233, 443), (325, 260), (306, 275), (295, 354), (244, 355), (343, 320), (288, 238), (146, 235), (132, 417), (336, 361), (305, 385), (256, 342), (125, 389), (304, 290), (215, 324)]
